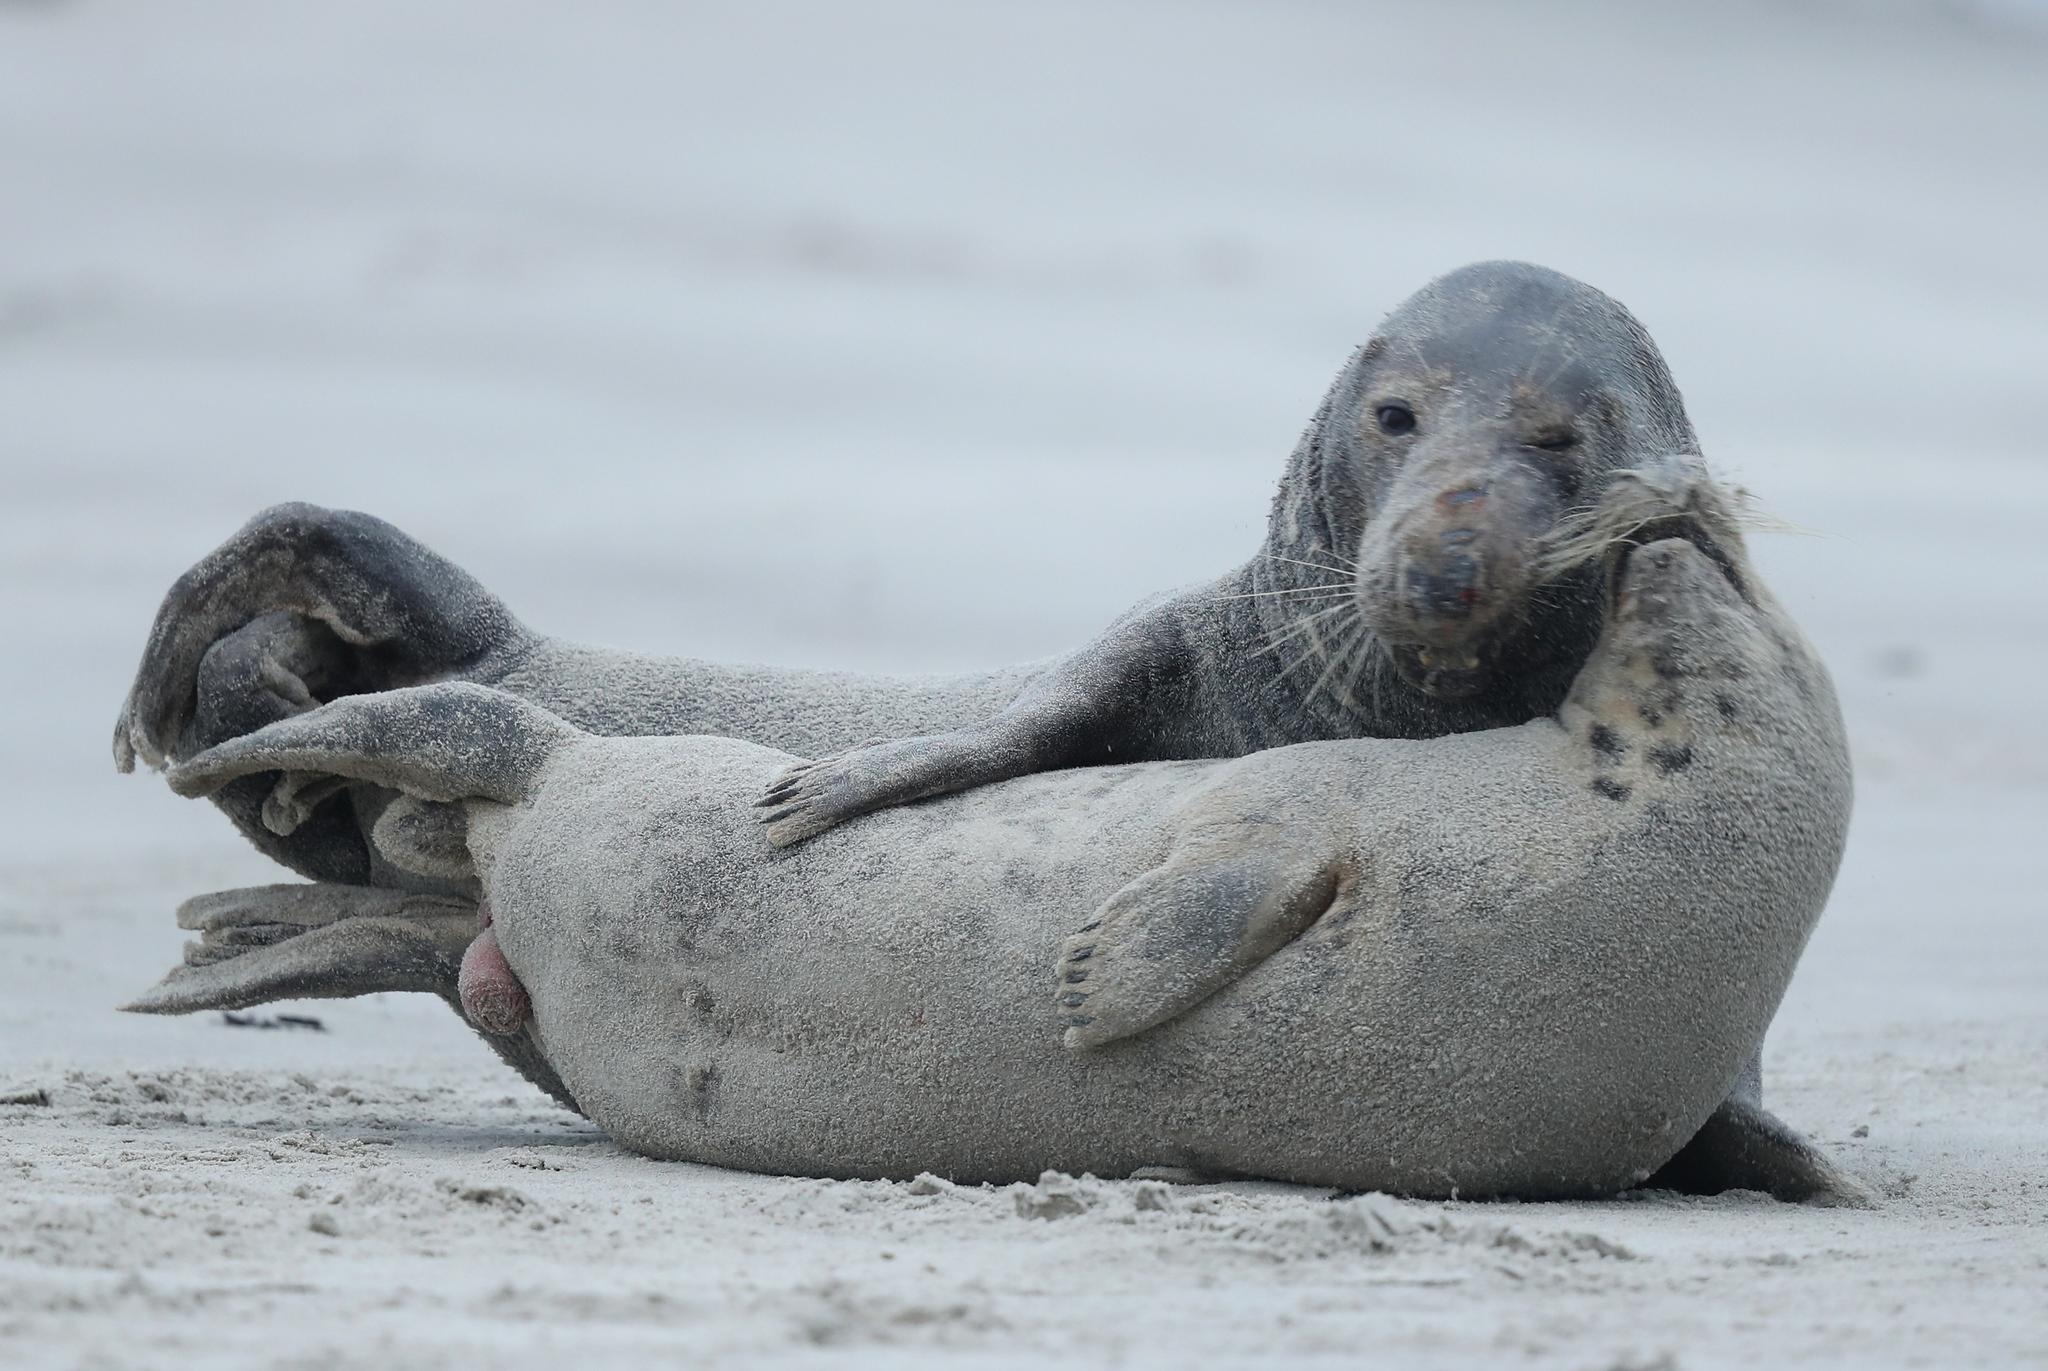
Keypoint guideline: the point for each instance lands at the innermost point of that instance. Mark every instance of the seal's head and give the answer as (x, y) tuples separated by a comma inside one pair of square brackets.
[(1485, 410)]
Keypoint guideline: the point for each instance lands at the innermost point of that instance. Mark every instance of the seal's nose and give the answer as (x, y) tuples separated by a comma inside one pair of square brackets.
[(1446, 587)]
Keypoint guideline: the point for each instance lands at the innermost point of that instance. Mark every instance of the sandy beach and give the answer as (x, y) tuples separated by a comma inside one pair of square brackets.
[(928, 337)]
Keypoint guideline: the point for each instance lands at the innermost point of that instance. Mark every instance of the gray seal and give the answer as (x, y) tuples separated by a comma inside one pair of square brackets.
[(1399, 593), (1529, 961)]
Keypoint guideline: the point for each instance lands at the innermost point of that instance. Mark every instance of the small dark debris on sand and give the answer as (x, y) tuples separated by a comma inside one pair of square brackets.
[(307, 1021)]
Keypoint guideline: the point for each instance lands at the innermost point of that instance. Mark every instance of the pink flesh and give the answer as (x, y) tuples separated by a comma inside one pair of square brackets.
[(492, 996)]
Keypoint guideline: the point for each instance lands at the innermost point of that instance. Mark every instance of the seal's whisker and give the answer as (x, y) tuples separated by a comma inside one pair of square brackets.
[(1316, 646), (1328, 588), (1354, 667), (1312, 566), (1349, 564), (1373, 666), (1301, 626), (1337, 659)]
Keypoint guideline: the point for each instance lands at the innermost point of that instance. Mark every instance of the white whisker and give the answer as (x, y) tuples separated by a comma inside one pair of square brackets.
[(1331, 588), (1302, 625), (1312, 566)]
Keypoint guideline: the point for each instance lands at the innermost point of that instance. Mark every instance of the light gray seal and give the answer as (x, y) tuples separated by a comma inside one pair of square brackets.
[(1495, 396), (1529, 961)]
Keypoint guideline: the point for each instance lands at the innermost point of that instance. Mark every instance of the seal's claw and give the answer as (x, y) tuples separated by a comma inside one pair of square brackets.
[(1086, 969), (805, 800)]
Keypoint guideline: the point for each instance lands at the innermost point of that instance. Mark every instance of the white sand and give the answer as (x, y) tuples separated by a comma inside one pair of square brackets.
[(934, 340)]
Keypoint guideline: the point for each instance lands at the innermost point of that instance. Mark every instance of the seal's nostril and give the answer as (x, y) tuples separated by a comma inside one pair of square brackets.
[(1450, 592), (1467, 495)]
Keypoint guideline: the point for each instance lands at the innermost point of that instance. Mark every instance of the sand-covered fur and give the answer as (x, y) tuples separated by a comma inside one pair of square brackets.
[(1528, 961)]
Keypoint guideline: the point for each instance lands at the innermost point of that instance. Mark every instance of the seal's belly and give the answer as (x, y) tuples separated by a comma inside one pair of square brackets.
[(879, 1002)]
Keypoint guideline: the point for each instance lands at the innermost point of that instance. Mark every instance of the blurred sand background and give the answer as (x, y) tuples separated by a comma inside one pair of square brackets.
[(917, 336)]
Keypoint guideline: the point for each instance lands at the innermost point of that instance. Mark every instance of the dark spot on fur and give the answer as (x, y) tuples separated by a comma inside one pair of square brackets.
[(703, 1084), (1727, 706), (1652, 715), (701, 1001), (1607, 743), (1667, 666), (1670, 757), (1613, 790)]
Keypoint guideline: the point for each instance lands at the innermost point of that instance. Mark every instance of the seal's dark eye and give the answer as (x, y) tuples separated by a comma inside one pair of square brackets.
[(1556, 442), (1395, 419)]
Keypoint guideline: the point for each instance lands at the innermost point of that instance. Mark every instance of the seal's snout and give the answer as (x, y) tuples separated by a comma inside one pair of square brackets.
[(1458, 541), (1449, 590)]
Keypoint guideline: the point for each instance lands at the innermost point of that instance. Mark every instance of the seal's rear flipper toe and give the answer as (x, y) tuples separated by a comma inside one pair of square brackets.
[(1180, 933), (311, 942), (306, 905), (1745, 1147)]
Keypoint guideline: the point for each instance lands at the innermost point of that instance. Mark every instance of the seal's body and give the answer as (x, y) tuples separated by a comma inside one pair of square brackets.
[(1529, 961), (1395, 596)]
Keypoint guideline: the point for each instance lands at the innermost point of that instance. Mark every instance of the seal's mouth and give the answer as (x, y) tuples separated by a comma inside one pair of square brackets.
[(1448, 673), (1462, 671)]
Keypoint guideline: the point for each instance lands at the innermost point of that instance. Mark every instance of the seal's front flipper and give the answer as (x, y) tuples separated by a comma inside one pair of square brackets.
[(312, 942), (1743, 1146), (1095, 706), (810, 797), (1183, 931)]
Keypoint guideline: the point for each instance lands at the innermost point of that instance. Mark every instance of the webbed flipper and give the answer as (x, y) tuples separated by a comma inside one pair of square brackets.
[(279, 942), (450, 741), (311, 942), (1183, 931), (1743, 1146)]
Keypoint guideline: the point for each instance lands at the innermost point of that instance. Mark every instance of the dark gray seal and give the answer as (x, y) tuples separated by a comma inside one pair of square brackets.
[(1399, 593), (1396, 595), (1528, 961)]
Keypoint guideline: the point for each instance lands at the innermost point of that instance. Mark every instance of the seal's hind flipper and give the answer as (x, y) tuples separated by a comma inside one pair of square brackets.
[(1183, 931), (1743, 1146), (452, 741), (311, 942)]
